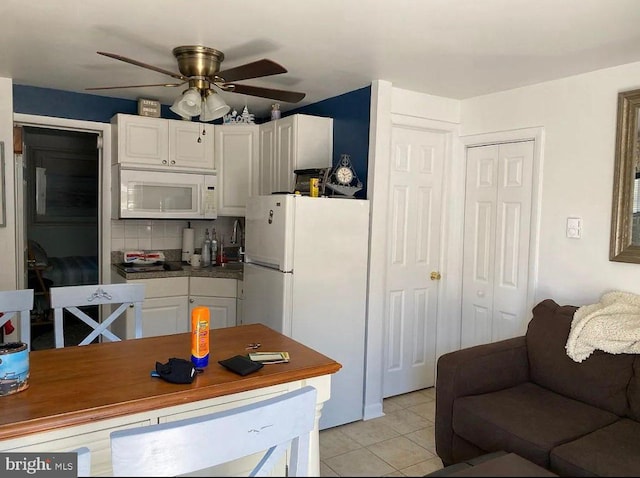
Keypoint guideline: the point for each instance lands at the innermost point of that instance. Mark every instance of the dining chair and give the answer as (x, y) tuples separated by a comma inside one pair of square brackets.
[(84, 461), (18, 303), (192, 444), (70, 298)]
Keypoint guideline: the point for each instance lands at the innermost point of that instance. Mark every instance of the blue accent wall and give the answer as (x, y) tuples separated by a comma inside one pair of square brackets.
[(350, 113)]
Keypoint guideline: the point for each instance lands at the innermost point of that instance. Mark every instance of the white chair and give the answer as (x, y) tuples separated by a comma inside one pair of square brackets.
[(72, 297), (18, 302), (192, 444), (84, 461)]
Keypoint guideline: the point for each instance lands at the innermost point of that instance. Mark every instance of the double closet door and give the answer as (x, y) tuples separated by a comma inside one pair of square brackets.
[(498, 205)]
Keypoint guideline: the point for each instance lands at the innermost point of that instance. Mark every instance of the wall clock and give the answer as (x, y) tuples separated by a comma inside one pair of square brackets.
[(343, 180)]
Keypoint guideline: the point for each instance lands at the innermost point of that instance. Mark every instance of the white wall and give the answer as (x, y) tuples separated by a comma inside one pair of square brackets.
[(8, 233), (578, 115)]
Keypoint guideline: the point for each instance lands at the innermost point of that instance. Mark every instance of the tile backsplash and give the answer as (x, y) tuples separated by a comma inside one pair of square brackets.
[(157, 234)]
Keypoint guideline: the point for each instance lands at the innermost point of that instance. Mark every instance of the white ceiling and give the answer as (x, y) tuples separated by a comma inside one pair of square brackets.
[(451, 48)]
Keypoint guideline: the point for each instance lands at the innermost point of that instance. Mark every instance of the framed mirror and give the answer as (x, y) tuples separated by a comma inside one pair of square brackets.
[(625, 219)]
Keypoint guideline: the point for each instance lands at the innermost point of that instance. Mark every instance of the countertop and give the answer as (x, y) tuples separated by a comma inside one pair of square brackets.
[(78, 385), (231, 270)]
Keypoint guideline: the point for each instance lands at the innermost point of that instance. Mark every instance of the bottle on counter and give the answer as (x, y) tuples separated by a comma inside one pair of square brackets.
[(200, 324), (206, 250), (221, 257), (214, 248)]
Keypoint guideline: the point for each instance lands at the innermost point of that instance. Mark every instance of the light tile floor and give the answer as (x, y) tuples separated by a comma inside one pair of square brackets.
[(401, 443)]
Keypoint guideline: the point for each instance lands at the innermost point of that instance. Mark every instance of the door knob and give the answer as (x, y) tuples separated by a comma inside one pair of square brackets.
[(435, 275)]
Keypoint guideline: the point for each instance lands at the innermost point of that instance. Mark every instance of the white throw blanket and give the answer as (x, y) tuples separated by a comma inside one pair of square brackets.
[(612, 325)]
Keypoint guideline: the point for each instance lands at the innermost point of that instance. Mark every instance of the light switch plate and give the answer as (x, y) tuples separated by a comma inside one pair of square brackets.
[(574, 227)]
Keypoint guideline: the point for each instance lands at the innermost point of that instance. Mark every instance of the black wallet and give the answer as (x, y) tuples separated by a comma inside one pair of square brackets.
[(241, 364)]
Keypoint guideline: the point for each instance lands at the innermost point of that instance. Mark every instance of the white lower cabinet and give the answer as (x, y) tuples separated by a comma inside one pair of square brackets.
[(219, 295), (239, 302), (165, 309), (165, 315), (168, 303)]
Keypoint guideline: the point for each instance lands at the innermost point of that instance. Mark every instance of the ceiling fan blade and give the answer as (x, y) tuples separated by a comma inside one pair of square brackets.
[(133, 86), (143, 65), (254, 69), (282, 95)]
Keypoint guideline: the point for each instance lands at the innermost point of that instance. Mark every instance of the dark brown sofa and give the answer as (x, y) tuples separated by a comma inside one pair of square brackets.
[(525, 395)]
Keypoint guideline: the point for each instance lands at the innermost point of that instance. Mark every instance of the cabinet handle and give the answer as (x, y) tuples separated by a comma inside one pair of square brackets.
[(173, 161), (191, 301), (164, 161)]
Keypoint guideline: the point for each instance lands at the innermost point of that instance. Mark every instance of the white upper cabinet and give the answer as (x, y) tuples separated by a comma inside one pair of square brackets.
[(140, 140), (157, 143), (191, 145), (236, 161), (295, 142)]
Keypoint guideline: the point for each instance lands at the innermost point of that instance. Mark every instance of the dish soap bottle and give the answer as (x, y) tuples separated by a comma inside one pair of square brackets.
[(206, 250), (214, 248)]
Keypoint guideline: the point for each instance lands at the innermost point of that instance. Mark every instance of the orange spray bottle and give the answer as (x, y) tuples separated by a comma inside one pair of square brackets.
[(200, 336)]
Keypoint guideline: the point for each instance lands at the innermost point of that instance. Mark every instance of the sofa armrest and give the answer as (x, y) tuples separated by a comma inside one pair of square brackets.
[(472, 371)]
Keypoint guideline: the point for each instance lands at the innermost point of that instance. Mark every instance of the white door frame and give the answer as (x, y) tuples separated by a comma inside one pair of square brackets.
[(382, 121), (104, 232), (535, 134)]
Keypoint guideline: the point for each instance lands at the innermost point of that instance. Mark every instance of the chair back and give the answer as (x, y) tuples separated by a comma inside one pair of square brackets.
[(72, 297), (271, 426), (20, 303)]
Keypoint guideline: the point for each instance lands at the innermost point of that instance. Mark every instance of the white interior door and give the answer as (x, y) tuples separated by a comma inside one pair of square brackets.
[(414, 205), (498, 206)]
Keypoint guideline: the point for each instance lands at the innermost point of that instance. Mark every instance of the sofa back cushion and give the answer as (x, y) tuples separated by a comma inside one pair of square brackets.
[(601, 380)]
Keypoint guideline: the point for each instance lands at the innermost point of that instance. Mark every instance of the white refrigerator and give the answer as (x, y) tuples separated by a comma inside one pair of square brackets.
[(305, 275)]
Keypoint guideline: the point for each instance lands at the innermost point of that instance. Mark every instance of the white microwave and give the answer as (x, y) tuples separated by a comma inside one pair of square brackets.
[(163, 194)]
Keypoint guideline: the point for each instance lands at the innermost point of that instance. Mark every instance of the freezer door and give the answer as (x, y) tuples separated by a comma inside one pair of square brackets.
[(267, 298), (269, 231)]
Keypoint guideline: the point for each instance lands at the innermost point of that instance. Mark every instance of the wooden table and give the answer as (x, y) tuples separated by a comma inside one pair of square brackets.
[(78, 395)]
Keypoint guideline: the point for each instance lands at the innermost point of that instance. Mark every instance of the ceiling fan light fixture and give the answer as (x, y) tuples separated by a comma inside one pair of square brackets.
[(188, 104), (213, 107)]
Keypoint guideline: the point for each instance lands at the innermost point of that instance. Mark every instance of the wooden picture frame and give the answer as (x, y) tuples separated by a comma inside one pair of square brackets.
[(624, 244)]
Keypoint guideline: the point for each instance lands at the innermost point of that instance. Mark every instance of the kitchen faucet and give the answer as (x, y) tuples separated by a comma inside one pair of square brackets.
[(236, 238)]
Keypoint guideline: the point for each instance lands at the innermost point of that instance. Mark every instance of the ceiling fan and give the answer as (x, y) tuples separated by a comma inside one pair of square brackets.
[(199, 69)]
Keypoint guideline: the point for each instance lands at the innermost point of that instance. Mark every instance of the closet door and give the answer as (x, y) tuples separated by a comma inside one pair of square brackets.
[(496, 242)]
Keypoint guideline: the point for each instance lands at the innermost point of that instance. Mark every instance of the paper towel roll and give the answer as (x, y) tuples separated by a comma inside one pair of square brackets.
[(188, 243)]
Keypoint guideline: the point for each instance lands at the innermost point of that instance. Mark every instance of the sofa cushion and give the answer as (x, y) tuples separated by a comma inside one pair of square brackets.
[(610, 451), (526, 419), (601, 380), (633, 391)]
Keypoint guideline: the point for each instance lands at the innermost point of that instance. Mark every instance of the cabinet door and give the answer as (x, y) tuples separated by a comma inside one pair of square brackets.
[(240, 303), (266, 161), (236, 162), (141, 140), (222, 310), (191, 145), (285, 155), (165, 315)]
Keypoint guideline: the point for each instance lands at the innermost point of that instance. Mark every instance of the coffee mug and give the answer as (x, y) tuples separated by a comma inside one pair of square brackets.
[(196, 260)]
